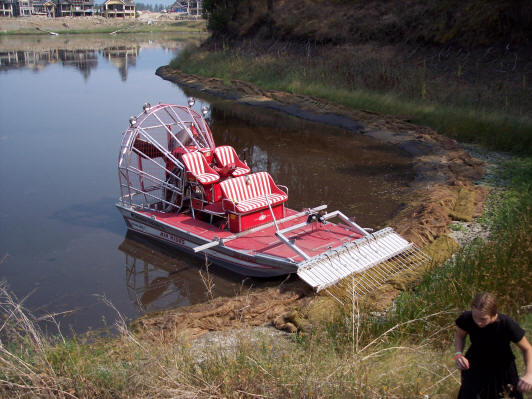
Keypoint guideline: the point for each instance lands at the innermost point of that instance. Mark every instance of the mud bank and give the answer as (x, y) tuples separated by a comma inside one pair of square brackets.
[(444, 171)]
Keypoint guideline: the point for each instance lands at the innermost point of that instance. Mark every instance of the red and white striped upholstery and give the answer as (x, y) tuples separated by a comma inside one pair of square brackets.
[(249, 193), (226, 155), (197, 166)]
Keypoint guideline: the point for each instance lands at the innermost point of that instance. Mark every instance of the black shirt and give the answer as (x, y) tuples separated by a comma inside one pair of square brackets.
[(490, 345)]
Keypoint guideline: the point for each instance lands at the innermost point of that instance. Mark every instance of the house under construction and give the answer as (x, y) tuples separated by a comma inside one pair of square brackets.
[(190, 7)]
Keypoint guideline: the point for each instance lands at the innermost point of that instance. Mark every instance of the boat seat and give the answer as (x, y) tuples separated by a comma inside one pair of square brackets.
[(229, 163), (198, 168), (246, 199), (245, 194)]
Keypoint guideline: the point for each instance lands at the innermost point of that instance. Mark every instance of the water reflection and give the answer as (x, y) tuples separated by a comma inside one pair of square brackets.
[(34, 60), (121, 57), (159, 277), (83, 60), (320, 164), (81, 52)]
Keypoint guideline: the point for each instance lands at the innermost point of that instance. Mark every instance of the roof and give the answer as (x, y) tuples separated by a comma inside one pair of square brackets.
[(125, 2)]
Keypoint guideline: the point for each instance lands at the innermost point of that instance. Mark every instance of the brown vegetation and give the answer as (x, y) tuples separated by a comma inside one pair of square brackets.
[(469, 22)]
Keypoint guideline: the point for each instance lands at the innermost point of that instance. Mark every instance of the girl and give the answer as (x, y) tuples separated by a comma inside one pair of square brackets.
[(488, 367)]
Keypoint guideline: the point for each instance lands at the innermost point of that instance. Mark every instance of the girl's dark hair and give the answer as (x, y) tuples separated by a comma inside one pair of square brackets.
[(485, 302)]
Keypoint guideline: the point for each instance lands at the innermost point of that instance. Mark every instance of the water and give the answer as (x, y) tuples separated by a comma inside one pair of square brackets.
[(64, 102)]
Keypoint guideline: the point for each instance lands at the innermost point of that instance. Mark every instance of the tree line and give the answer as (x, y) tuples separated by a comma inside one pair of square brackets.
[(150, 7)]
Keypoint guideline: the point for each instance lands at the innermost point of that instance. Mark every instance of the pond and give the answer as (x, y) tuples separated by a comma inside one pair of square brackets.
[(64, 103)]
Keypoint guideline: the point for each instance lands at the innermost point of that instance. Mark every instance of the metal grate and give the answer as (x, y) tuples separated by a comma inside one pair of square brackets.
[(371, 261)]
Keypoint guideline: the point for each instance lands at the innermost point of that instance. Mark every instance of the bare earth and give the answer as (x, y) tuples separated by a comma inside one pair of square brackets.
[(37, 22)]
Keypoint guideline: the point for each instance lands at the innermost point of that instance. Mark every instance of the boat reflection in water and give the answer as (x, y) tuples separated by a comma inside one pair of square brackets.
[(159, 277)]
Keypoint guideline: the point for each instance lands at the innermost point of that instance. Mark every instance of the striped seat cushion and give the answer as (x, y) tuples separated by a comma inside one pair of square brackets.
[(252, 192), (207, 178), (240, 172), (198, 167), (226, 155), (260, 202)]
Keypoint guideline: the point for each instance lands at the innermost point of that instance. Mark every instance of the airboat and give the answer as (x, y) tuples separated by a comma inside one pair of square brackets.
[(178, 187)]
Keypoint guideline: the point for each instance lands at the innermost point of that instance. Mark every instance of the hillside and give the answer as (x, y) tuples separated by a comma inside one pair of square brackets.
[(466, 22)]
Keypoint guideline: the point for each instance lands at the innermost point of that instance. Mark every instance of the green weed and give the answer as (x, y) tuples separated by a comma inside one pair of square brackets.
[(457, 227), (470, 112)]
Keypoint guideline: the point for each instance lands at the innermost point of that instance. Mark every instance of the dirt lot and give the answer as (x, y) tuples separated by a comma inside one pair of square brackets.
[(42, 23)]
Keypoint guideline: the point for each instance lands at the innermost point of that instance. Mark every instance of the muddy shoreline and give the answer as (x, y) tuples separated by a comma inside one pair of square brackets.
[(443, 167)]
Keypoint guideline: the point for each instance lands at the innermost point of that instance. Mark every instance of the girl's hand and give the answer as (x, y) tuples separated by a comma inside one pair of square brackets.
[(461, 362), (525, 383)]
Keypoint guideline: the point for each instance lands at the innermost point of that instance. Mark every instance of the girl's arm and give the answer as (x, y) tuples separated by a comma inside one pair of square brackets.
[(525, 383), (460, 360)]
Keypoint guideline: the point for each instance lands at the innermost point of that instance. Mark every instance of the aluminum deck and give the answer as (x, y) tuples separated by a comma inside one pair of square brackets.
[(314, 239)]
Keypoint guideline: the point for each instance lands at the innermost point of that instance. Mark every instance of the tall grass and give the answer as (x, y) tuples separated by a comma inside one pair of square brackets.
[(493, 113), (502, 266), (244, 365)]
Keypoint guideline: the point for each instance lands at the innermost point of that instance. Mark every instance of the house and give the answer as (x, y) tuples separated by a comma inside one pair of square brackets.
[(38, 7), (82, 7), (119, 9), (63, 8), (49, 8), (190, 7), (6, 8), (22, 7)]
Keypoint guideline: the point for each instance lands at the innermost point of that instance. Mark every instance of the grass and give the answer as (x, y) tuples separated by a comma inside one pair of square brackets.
[(492, 113), (305, 366), (404, 353), (457, 227), (133, 27)]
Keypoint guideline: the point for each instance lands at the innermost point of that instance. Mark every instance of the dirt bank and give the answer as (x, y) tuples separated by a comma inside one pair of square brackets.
[(443, 168), (42, 24)]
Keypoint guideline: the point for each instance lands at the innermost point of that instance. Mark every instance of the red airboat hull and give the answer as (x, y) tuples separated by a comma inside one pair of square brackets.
[(178, 187), (258, 254)]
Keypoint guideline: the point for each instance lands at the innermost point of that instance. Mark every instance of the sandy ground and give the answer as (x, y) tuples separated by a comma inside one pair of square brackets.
[(44, 23)]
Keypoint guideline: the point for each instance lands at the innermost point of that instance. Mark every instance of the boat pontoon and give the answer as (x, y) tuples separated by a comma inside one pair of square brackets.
[(178, 187)]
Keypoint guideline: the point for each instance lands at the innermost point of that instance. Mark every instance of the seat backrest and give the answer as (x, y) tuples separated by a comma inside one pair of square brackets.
[(243, 188), (194, 162), (225, 155)]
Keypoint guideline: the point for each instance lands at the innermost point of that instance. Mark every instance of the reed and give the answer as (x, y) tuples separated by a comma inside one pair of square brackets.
[(246, 364), (479, 110), (501, 266)]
